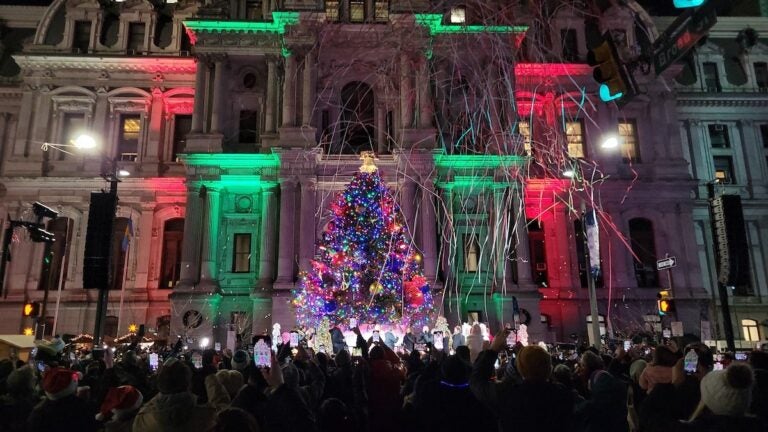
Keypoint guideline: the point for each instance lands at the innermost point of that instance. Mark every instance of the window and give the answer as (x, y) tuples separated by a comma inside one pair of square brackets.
[(356, 11), (81, 41), (711, 77), (173, 234), (357, 118), (581, 256), (471, 253), (381, 10), (55, 265), (629, 142), (110, 326), (574, 133), (524, 130), (163, 326), (458, 15), (136, 37), (761, 76), (723, 169), (718, 136), (538, 254), (241, 255), (73, 124), (750, 330), (545, 320), (182, 125), (570, 45), (643, 244), (48, 324), (764, 135), (128, 137), (122, 231), (249, 127), (332, 10), (253, 10)]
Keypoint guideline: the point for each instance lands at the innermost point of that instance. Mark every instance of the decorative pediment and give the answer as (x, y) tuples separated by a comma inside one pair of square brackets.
[(83, 4), (710, 49), (760, 49), (77, 104), (138, 5), (128, 105), (107, 64)]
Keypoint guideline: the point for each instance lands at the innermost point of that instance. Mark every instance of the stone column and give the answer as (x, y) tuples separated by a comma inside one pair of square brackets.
[(218, 95), (144, 245), (269, 114), (408, 205), (406, 93), (266, 9), (25, 116), (447, 235), (190, 250), (429, 230), (286, 253), (523, 247), (289, 92), (268, 228), (307, 237), (500, 234), (425, 96), (198, 111), (308, 87), (152, 153), (210, 238)]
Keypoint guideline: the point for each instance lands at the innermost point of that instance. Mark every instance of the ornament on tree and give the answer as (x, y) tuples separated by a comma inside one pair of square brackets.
[(366, 265)]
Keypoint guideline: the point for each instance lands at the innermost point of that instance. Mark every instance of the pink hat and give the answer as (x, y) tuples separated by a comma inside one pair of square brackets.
[(119, 401), (60, 382)]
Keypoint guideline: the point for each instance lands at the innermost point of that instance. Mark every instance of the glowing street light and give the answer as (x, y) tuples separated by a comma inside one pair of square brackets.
[(610, 142), (122, 172), (84, 142)]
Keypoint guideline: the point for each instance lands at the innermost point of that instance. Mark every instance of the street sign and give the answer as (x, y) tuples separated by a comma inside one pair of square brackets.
[(682, 35), (666, 263)]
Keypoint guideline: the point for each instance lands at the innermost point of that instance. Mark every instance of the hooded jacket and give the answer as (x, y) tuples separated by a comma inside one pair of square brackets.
[(475, 342), (174, 412)]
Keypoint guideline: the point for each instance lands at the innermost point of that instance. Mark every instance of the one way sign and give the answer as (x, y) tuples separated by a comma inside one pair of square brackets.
[(666, 263)]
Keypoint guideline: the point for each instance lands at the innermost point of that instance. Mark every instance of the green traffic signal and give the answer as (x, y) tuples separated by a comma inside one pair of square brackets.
[(684, 4)]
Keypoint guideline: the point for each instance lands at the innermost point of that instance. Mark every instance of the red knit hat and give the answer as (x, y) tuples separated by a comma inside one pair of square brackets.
[(59, 382), (120, 400)]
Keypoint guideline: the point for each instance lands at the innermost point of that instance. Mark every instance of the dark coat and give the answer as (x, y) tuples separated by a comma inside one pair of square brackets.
[(390, 340), (458, 340), (539, 406), (606, 408), (409, 340), (715, 423), (71, 412), (337, 339), (760, 395)]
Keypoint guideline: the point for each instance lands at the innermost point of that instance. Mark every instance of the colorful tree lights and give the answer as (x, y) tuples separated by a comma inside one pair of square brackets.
[(366, 266)]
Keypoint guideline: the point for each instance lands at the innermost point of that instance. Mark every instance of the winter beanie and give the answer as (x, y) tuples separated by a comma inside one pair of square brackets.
[(59, 383), (728, 392), (534, 363), (232, 381), (174, 377), (240, 360), (120, 401)]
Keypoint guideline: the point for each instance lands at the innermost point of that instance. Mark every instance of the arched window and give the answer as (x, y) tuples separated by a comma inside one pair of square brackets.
[(173, 234), (110, 326), (357, 118), (122, 231), (641, 237), (750, 330), (53, 265)]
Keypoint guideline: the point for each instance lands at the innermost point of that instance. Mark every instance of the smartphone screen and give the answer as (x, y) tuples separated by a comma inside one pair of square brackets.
[(41, 366), (691, 362), (420, 347), (376, 337), (294, 339), (261, 354), (321, 348), (437, 340), (718, 366), (741, 356), (627, 345), (154, 361)]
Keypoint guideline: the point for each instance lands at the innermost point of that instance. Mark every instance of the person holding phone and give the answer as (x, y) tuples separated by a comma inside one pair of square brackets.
[(660, 369)]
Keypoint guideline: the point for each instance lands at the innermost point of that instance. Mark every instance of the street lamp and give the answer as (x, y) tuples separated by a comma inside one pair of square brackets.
[(609, 142), (86, 142)]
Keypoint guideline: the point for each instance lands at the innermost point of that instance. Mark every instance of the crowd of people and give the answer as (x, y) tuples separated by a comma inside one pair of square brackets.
[(485, 386)]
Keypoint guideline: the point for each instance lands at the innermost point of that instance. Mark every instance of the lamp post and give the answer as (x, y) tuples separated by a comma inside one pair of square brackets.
[(86, 142)]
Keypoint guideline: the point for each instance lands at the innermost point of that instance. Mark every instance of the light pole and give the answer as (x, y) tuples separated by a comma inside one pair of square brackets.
[(86, 142)]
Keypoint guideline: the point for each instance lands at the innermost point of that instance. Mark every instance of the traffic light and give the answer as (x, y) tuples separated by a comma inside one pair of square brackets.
[(684, 4), (665, 303), (39, 235), (31, 309), (616, 83)]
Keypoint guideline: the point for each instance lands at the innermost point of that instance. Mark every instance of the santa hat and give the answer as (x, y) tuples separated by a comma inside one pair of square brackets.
[(60, 382), (728, 392), (120, 401)]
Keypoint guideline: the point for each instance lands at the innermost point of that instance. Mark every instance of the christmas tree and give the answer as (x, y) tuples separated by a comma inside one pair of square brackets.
[(366, 266)]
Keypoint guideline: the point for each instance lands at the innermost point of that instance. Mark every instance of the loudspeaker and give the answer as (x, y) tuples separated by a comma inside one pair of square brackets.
[(101, 215), (730, 241)]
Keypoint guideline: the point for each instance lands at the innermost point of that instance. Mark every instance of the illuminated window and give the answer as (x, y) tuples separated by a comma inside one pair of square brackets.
[(173, 234), (524, 129), (471, 253), (381, 10), (718, 136), (629, 141), (241, 254), (128, 139), (574, 134), (356, 11), (459, 15), (723, 169), (750, 330), (332, 10)]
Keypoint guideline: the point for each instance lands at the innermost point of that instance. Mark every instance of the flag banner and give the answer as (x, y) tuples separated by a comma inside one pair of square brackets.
[(127, 235), (593, 242)]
